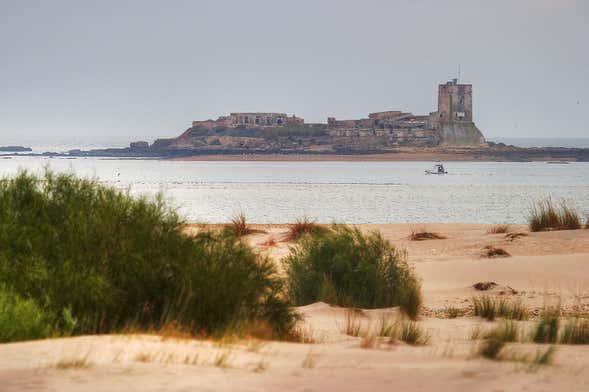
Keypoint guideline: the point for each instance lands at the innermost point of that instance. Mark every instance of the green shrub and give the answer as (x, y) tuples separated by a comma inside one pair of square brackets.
[(544, 215), (100, 260), (362, 271), (20, 319)]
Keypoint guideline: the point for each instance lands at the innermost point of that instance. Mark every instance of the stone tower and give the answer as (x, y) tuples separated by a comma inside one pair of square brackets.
[(453, 119), (454, 102)]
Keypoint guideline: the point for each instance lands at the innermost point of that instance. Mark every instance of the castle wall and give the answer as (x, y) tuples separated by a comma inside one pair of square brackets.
[(451, 125)]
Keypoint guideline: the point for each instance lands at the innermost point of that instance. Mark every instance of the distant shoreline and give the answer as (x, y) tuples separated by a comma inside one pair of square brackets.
[(412, 155), (495, 153)]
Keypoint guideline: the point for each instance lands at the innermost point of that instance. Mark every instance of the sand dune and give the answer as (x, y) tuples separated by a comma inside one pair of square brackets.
[(544, 267)]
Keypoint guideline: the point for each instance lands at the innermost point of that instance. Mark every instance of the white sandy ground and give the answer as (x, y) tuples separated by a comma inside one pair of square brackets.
[(544, 267)]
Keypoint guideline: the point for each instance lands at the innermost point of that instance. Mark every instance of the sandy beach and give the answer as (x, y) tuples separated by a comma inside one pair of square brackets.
[(543, 268), (404, 154)]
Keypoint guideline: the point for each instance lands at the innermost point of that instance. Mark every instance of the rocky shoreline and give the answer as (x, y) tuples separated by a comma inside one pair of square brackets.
[(494, 152)]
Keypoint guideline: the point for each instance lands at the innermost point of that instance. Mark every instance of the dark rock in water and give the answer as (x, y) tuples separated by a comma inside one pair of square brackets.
[(15, 149)]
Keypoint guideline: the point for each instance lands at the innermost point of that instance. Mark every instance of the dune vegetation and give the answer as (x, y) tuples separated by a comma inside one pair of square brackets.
[(545, 215), (348, 268), (78, 257)]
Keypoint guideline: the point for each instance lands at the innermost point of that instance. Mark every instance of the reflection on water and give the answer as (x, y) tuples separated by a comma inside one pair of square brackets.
[(350, 192)]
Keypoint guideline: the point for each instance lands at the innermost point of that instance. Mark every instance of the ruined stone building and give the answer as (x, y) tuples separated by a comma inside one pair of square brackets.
[(254, 120), (451, 125)]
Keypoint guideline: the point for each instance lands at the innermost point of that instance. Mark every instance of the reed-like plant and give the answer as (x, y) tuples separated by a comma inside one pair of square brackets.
[(304, 226), (544, 215)]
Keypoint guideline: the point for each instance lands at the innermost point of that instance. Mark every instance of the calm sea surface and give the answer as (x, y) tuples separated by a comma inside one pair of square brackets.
[(350, 192)]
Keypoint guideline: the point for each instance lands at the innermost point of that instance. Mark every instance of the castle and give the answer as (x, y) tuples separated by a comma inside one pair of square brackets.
[(451, 125)]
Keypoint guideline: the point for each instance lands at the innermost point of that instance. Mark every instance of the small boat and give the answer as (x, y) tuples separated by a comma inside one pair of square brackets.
[(558, 162), (438, 169)]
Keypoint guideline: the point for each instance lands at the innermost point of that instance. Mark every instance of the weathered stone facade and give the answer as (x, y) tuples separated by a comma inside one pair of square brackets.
[(451, 124), (254, 119)]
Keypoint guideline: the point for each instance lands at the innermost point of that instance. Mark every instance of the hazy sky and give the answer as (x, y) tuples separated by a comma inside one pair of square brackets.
[(129, 70)]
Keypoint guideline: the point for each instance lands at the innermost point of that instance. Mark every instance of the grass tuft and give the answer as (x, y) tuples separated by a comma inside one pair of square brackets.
[(495, 340), (411, 333), (507, 331), (423, 235), (575, 331), (544, 357), (238, 225), (352, 323), (514, 236), (388, 328), (302, 227), (490, 348), (348, 268), (546, 328), (490, 308), (492, 252), (452, 312), (369, 340), (484, 306), (498, 229), (544, 215), (222, 359), (75, 363)]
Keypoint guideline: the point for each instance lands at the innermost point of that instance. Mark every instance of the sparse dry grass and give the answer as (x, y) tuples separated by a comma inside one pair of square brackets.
[(477, 332), (453, 312), (389, 328), (511, 332), (302, 334), (411, 333), (310, 360), (546, 328), (493, 252), (352, 323), (270, 243), (575, 331), (514, 236), (498, 229), (238, 225), (145, 357), (489, 308), (261, 366), (222, 358), (544, 215), (369, 340), (423, 235), (303, 226), (73, 363)]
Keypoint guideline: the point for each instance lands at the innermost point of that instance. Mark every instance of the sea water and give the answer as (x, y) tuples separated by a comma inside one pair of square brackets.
[(346, 192)]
